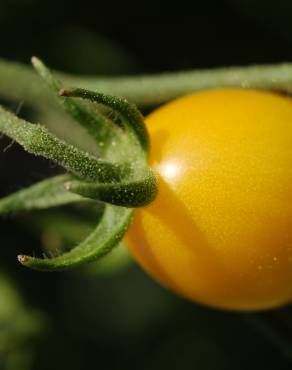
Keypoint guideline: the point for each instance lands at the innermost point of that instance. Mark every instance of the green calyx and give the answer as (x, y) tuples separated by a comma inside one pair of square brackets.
[(118, 176)]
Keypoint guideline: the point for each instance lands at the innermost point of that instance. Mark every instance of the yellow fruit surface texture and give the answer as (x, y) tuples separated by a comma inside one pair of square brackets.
[(220, 229)]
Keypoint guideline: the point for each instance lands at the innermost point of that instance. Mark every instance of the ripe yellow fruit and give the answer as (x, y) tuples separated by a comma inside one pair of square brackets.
[(220, 230)]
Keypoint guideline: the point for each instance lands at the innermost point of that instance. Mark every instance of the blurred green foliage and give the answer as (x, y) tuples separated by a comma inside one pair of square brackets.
[(19, 327)]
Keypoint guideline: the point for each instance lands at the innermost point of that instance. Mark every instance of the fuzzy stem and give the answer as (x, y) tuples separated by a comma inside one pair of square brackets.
[(38, 141), (129, 111), (97, 125), (19, 82)]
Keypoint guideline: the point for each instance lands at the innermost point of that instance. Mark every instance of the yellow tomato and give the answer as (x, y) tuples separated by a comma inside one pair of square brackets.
[(220, 230)]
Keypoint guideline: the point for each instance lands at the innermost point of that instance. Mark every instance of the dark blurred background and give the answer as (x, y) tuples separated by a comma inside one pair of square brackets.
[(114, 316)]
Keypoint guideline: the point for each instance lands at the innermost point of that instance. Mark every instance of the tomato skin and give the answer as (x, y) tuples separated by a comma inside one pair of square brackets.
[(220, 230)]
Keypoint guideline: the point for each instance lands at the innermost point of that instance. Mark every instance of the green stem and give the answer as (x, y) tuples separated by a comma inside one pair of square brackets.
[(38, 141), (136, 192), (45, 194), (157, 89), (19, 82), (108, 233), (97, 125), (130, 112)]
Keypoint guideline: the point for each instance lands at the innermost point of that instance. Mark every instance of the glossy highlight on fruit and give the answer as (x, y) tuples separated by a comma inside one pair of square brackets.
[(220, 230)]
